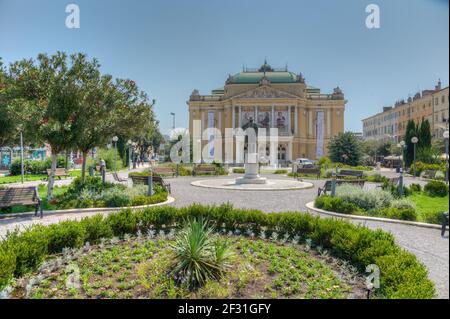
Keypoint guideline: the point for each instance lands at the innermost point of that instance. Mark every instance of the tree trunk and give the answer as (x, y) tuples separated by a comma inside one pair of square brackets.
[(83, 168), (51, 178)]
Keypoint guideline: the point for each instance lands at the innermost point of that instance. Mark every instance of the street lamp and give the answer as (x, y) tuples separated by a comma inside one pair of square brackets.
[(21, 153), (173, 124), (129, 153), (403, 147), (115, 139), (414, 140), (445, 135)]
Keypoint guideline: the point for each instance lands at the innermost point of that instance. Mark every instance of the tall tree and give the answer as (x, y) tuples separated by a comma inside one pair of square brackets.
[(345, 148), (424, 135), (8, 123), (412, 130), (47, 97)]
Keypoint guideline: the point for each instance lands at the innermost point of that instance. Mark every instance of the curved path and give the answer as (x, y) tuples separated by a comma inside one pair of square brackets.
[(425, 243)]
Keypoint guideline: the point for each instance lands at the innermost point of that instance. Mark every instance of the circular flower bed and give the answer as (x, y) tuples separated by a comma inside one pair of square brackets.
[(138, 268), (401, 275)]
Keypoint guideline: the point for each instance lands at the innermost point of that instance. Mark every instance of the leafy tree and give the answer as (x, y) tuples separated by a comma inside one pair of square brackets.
[(345, 148), (8, 123), (45, 98)]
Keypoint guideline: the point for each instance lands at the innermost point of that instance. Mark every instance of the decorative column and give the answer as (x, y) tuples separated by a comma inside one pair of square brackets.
[(289, 151), (329, 123), (289, 120), (240, 116), (273, 117), (233, 116), (273, 154), (310, 124), (256, 114), (295, 120)]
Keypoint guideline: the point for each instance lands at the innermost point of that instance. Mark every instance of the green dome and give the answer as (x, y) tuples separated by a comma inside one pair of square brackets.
[(255, 77)]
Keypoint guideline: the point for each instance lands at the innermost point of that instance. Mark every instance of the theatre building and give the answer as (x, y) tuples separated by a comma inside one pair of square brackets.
[(306, 119)]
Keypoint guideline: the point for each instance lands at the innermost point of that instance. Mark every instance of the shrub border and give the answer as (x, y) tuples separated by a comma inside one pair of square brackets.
[(169, 200), (402, 275), (311, 206)]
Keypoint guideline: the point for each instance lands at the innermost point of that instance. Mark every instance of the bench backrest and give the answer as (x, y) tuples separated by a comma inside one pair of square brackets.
[(205, 168), (327, 185), (58, 171), (306, 170), (18, 195), (163, 170), (144, 179), (347, 172), (429, 173)]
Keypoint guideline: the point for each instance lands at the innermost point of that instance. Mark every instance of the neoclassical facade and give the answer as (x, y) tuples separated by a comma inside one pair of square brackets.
[(305, 118)]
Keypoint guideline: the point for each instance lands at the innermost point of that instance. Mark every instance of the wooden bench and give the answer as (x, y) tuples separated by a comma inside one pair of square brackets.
[(164, 171), (10, 197), (204, 169), (309, 170), (327, 187), (139, 179), (349, 173), (429, 174), (117, 178), (59, 172)]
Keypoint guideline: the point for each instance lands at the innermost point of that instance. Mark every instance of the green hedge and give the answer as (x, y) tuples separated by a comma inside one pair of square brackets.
[(402, 276)]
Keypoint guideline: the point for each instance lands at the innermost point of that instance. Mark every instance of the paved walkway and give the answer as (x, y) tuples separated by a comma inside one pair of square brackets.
[(425, 243)]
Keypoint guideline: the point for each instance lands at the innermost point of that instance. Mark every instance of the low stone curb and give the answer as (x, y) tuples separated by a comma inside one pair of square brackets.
[(311, 206), (169, 200)]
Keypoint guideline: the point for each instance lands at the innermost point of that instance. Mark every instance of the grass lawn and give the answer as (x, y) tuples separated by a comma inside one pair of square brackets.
[(426, 205), (33, 177)]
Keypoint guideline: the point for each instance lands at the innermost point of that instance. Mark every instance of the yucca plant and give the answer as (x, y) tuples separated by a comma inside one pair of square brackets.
[(199, 255)]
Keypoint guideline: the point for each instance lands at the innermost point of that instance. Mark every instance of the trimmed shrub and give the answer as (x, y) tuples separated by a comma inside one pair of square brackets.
[(403, 203), (238, 170), (433, 217), (280, 171), (416, 188), (399, 213), (401, 274), (65, 234), (436, 189), (335, 204), (364, 199)]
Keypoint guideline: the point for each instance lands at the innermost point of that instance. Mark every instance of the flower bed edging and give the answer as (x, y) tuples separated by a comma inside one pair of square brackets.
[(169, 200), (311, 206)]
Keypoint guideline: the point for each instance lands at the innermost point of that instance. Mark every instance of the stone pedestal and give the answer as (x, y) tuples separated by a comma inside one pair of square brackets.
[(251, 172)]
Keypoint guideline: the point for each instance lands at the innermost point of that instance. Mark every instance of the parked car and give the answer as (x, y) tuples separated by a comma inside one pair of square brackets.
[(303, 162)]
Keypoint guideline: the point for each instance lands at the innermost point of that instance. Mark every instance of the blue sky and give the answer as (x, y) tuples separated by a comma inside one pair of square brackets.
[(171, 47)]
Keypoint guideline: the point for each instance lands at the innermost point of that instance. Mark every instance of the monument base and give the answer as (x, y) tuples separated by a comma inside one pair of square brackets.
[(251, 175)]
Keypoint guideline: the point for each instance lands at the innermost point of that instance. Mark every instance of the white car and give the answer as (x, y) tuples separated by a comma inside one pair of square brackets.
[(303, 162)]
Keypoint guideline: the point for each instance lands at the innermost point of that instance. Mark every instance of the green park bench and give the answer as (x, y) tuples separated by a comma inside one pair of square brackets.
[(143, 180), (327, 186)]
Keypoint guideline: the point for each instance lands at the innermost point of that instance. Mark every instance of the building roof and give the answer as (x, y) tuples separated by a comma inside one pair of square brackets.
[(254, 76)]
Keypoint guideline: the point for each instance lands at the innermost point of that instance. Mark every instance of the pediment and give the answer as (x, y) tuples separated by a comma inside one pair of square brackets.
[(265, 92)]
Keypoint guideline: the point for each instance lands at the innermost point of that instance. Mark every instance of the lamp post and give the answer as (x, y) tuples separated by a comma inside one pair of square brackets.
[(173, 123), (21, 155), (129, 153), (115, 139), (414, 140), (133, 147), (445, 135), (402, 146)]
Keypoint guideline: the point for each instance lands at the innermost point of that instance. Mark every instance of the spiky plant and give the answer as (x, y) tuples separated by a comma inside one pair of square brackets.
[(199, 255)]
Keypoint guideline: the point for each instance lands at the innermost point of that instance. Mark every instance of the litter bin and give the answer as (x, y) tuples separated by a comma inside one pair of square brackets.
[(397, 169)]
